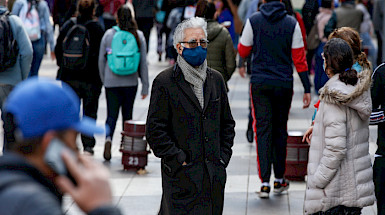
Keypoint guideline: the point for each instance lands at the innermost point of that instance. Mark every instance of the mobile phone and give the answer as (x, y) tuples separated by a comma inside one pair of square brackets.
[(226, 24), (53, 156)]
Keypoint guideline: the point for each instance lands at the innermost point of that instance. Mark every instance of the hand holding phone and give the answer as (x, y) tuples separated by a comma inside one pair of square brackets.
[(93, 188), (53, 156)]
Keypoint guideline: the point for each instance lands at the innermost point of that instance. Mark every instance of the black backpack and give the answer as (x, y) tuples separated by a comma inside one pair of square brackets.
[(76, 47), (9, 49)]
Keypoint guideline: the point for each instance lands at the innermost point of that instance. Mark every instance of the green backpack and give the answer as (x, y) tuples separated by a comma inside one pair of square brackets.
[(125, 56)]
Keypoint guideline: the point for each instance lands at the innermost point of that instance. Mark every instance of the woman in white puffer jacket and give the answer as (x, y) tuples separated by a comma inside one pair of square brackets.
[(339, 169)]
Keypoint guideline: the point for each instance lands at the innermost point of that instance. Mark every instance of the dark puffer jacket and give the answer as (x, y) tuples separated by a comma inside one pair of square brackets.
[(220, 51)]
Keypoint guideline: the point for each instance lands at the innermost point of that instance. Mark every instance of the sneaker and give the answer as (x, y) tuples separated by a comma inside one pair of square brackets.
[(88, 150), (264, 194), (107, 150), (250, 135), (280, 187)]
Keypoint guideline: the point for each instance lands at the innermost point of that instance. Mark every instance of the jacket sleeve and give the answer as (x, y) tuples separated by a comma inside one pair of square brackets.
[(246, 42), (102, 57), (143, 68), (48, 25), (227, 133), (229, 56), (16, 8), (25, 47), (331, 25), (377, 88), (110, 210), (158, 127), (335, 144)]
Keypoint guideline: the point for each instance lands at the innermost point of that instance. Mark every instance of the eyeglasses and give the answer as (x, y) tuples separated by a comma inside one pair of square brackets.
[(194, 43)]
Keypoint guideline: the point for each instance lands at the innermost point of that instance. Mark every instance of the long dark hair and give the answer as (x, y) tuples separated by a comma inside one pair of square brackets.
[(205, 9), (127, 23), (339, 60), (86, 8)]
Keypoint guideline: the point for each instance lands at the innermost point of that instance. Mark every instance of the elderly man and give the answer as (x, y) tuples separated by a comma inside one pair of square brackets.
[(190, 127)]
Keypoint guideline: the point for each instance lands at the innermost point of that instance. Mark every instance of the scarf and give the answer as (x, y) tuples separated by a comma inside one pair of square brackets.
[(195, 76)]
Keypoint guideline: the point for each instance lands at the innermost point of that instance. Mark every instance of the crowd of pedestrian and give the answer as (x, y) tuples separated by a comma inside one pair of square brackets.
[(190, 127)]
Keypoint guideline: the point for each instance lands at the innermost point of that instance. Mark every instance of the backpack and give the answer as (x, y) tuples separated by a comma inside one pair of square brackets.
[(9, 49), (124, 57), (29, 16), (313, 40), (76, 47)]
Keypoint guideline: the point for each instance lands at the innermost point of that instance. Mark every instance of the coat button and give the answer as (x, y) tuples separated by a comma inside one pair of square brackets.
[(206, 139), (204, 117)]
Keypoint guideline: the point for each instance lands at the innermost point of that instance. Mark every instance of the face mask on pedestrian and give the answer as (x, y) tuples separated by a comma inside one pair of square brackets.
[(194, 56)]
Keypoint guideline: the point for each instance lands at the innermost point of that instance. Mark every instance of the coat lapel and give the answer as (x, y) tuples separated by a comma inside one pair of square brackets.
[(186, 88)]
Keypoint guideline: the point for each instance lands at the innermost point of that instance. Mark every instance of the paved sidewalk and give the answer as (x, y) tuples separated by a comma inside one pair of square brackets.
[(140, 194)]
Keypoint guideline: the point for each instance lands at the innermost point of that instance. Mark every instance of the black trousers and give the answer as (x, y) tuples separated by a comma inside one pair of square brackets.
[(270, 105), (145, 25), (379, 183), (117, 97), (89, 94)]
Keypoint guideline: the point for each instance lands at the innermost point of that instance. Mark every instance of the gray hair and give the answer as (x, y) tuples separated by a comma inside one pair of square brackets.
[(194, 22)]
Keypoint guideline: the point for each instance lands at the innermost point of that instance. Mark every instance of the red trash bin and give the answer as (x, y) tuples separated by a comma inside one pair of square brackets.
[(296, 157)]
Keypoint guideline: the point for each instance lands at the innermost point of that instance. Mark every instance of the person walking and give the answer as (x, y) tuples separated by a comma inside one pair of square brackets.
[(22, 8), (121, 89), (378, 102), (347, 15), (378, 24), (339, 168), (144, 16), (275, 40), (19, 71), (322, 18), (220, 50), (84, 79), (190, 127), (35, 173)]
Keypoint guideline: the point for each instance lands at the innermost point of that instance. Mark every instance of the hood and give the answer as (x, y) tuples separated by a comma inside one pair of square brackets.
[(356, 97), (273, 11), (20, 169), (213, 29)]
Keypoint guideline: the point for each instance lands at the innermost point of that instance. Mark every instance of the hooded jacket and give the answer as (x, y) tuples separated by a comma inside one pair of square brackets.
[(339, 168), (220, 51), (275, 40), (20, 70), (25, 190)]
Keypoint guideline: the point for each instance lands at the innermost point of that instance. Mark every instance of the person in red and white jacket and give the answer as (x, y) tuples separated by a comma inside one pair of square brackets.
[(275, 41)]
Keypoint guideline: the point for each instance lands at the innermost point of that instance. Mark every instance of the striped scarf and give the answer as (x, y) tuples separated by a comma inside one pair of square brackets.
[(195, 76)]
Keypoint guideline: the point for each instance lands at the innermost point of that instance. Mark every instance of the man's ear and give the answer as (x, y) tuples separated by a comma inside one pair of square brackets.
[(179, 48)]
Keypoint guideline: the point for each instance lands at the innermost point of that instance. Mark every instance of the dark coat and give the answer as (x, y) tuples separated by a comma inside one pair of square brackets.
[(25, 190), (220, 51), (91, 73), (179, 130)]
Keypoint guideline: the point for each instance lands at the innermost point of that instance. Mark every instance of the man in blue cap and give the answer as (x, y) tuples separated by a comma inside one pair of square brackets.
[(42, 156)]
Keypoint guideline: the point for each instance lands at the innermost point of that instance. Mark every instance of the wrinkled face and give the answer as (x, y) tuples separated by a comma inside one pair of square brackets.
[(190, 35)]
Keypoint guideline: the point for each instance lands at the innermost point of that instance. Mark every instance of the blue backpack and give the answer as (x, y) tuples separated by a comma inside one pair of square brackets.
[(124, 58)]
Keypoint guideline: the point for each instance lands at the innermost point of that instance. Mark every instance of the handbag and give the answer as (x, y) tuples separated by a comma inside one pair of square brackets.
[(313, 40)]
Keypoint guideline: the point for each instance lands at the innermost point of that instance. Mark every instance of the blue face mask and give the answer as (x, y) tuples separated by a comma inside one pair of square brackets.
[(194, 56)]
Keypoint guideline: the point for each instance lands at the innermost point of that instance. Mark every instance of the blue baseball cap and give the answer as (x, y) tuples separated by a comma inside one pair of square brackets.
[(41, 105)]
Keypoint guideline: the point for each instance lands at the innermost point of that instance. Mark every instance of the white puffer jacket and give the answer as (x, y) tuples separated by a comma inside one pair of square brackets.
[(339, 168)]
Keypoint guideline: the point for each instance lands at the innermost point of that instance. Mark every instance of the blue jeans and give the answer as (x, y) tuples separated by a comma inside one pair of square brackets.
[(320, 77), (38, 53), (367, 42)]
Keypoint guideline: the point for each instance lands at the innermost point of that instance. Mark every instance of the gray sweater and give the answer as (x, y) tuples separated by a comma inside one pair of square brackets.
[(110, 79)]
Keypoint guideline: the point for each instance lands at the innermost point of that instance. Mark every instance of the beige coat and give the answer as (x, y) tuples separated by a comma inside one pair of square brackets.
[(339, 168)]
